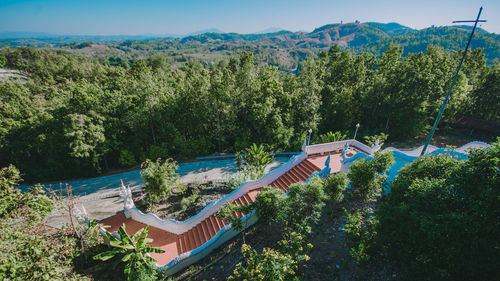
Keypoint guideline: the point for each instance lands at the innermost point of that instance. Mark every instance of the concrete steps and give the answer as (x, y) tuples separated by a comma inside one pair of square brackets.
[(299, 173)]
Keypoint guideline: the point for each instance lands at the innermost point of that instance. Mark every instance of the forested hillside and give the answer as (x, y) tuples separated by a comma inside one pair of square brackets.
[(283, 49), (450, 38), (78, 116)]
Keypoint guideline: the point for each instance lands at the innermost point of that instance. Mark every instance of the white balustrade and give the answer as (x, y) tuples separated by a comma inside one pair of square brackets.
[(339, 145), (179, 227)]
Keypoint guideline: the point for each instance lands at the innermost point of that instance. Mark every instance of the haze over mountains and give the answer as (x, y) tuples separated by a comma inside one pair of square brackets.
[(392, 28)]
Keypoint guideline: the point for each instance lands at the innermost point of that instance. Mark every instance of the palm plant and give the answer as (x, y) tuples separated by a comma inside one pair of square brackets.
[(133, 250), (332, 137), (257, 157)]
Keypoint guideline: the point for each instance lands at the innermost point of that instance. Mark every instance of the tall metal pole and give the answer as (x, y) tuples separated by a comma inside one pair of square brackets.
[(445, 102)]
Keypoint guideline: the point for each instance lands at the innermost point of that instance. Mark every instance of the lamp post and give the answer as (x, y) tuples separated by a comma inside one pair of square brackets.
[(356, 132), (310, 132)]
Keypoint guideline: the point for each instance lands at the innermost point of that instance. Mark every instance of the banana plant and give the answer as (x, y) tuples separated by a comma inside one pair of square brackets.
[(134, 250), (257, 157)]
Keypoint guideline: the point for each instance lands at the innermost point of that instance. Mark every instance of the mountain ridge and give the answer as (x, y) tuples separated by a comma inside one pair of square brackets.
[(286, 45)]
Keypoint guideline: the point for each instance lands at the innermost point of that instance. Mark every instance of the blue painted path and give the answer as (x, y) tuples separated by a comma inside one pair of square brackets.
[(133, 178)]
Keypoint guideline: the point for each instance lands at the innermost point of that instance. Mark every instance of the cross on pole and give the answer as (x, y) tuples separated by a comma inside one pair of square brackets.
[(445, 102)]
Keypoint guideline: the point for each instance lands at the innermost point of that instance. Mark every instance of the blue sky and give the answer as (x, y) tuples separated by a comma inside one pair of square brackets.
[(112, 17)]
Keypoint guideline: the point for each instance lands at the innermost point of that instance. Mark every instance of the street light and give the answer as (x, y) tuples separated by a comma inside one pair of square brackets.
[(356, 132), (310, 132)]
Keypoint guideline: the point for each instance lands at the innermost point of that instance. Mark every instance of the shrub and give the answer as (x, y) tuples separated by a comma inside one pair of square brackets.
[(3, 61), (370, 140), (29, 255), (26, 253), (268, 204), (226, 214), (158, 151), (360, 234), (35, 205), (269, 265), (191, 199), (359, 253), (32, 206), (9, 195), (335, 186), (440, 221), (160, 179), (366, 176), (295, 244), (246, 174), (302, 206)]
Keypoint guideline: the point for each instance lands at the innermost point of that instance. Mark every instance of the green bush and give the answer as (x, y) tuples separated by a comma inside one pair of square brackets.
[(9, 195), (370, 140), (360, 233), (440, 221), (226, 213), (335, 186), (302, 206), (26, 252), (191, 199), (160, 179), (35, 204), (32, 206), (3, 61), (359, 253), (243, 175), (268, 204), (158, 151), (366, 176), (270, 265), (284, 264)]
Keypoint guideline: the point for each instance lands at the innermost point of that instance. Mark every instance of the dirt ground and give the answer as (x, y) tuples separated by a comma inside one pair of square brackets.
[(440, 139), (13, 75), (173, 209)]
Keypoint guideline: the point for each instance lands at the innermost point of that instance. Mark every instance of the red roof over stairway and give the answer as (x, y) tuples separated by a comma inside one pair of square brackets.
[(175, 244)]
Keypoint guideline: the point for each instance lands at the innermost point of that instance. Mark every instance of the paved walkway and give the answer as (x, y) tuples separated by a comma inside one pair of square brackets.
[(189, 172)]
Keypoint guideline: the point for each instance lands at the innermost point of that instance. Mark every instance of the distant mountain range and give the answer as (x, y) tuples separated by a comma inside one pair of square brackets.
[(269, 30), (110, 38), (370, 36), (74, 38)]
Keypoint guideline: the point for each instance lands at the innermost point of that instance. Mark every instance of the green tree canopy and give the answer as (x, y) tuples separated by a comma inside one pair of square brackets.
[(440, 221)]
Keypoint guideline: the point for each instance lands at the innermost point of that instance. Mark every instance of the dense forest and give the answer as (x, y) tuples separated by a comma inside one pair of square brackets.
[(79, 116)]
